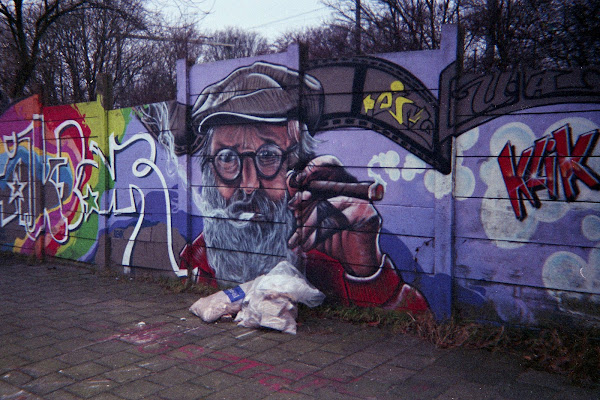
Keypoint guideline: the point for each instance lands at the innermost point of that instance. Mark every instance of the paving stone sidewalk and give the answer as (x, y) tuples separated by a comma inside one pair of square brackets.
[(67, 333)]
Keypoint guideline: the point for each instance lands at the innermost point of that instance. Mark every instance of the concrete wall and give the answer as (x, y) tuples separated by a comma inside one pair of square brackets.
[(490, 206)]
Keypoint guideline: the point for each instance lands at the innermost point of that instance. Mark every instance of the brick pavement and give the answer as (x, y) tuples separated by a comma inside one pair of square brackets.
[(67, 333)]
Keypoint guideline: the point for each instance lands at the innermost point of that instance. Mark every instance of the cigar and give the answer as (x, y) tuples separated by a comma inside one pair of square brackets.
[(371, 191)]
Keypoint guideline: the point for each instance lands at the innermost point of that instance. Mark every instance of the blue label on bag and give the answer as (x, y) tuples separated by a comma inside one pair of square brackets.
[(235, 294)]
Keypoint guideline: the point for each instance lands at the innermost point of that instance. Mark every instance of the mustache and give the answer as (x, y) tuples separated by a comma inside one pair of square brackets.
[(244, 206), (240, 207)]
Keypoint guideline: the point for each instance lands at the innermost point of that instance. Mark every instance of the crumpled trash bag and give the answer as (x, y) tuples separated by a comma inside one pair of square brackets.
[(286, 279), (228, 301), (271, 299), (267, 308)]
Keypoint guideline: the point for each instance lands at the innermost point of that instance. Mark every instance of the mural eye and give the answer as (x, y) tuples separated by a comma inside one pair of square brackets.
[(268, 159), (227, 163)]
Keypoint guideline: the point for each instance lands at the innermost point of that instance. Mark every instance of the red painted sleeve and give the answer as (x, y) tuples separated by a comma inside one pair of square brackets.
[(194, 256), (384, 289)]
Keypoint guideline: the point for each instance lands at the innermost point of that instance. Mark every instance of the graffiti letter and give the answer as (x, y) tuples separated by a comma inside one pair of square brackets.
[(398, 86), (399, 114), (384, 100), (368, 103), (550, 167), (535, 179), (571, 160), (514, 179)]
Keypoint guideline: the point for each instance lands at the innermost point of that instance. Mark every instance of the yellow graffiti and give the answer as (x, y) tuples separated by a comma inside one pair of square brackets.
[(398, 115), (369, 104), (387, 100), (397, 86), (416, 117), (387, 97)]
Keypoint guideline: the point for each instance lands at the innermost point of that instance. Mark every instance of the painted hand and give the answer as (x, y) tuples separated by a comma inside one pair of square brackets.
[(342, 227)]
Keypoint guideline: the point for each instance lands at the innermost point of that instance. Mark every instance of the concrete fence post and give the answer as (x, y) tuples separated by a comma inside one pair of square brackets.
[(104, 95)]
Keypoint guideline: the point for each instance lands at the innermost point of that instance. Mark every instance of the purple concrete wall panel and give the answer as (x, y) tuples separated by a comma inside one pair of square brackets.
[(149, 194), (355, 249), (527, 212), (389, 180), (520, 304)]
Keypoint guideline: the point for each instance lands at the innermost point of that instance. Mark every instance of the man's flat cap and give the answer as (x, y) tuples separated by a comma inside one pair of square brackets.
[(261, 92)]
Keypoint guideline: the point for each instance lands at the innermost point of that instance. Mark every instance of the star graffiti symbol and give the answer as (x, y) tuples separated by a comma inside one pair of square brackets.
[(16, 188), (91, 202)]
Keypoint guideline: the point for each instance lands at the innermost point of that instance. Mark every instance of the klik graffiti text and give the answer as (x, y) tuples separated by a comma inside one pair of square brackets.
[(552, 162)]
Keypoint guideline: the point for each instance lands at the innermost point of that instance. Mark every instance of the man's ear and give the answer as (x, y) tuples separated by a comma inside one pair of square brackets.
[(293, 128)]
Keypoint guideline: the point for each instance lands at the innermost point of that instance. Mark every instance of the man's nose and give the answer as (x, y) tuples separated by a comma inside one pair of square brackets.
[(249, 176)]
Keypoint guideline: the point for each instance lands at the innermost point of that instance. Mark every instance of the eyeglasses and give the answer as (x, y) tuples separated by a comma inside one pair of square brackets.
[(268, 160)]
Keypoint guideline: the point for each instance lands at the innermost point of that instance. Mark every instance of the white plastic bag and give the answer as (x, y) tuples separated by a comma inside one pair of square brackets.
[(228, 301), (271, 299), (284, 278)]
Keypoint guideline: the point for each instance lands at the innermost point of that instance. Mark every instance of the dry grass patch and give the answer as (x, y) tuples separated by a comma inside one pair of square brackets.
[(572, 353)]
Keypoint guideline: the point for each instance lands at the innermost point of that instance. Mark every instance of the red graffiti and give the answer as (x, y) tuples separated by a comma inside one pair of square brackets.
[(161, 337), (552, 159)]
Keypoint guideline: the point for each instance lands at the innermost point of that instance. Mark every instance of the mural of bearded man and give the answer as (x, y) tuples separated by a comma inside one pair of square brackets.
[(257, 157)]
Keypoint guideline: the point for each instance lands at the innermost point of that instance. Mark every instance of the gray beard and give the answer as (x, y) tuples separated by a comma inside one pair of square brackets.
[(239, 248)]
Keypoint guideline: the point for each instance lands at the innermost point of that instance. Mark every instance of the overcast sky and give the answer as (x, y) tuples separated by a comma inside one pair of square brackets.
[(268, 17)]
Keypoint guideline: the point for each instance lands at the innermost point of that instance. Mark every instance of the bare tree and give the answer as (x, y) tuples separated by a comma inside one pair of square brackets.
[(245, 44), (500, 33), (25, 24), (533, 33), (135, 47), (156, 80), (327, 41), (397, 25), (567, 32), (87, 42)]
